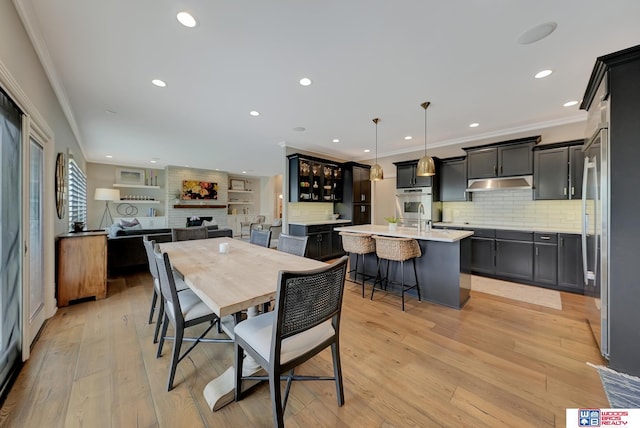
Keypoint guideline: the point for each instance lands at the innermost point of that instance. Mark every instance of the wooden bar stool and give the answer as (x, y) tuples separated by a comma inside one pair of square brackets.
[(397, 250), (359, 244)]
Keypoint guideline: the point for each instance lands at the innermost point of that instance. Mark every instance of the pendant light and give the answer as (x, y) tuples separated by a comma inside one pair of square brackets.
[(375, 174), (426, 167)]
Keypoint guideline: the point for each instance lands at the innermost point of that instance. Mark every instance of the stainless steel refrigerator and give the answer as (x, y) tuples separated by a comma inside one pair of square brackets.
[(595, 220)]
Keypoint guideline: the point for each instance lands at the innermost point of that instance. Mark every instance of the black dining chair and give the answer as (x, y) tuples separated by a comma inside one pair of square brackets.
[(260, 237), (157, 299), (296, 245), (182, 310), (305, 321), (189, 233)]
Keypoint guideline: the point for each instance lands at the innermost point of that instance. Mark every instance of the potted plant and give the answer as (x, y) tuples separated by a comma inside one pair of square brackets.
[(393, 222)]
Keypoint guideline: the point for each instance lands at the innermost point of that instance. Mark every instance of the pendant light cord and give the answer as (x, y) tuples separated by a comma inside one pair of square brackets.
[(424, 106)]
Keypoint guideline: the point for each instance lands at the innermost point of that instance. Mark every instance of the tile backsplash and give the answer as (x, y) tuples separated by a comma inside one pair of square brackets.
[(516, 208), (309, 211)]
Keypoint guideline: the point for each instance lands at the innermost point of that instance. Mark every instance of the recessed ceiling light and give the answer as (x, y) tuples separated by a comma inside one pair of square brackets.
[(474, 125), (187, 19), (108, 156), (305, 81), (408, 137), (244, 172), (537, 33), (570, 103), (299, 129), (254, 113), (159, 83), (153, 161), (543, 73), (367, 150), (335, 140)]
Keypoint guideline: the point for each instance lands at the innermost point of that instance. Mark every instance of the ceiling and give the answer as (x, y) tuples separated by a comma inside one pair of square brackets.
[(366, 58)]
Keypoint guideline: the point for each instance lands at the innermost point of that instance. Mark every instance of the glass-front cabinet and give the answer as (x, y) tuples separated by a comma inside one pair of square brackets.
[(314, 180)]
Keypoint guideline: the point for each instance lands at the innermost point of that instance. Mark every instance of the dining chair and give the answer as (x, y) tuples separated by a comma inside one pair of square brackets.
[(153, 270), (296, 245), (189, 233), (305, 321), (260, 237), (182, 310), (247, 226)]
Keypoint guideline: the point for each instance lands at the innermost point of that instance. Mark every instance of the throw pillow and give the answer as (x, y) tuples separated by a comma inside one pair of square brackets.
[(113, 230), (277, 222), (209, 223), (125, 223)]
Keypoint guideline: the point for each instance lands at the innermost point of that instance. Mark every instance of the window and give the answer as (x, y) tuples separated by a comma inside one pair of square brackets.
[(77, 194)]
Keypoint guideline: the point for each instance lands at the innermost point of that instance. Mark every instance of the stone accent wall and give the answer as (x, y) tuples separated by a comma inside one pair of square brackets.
[(177, 217)]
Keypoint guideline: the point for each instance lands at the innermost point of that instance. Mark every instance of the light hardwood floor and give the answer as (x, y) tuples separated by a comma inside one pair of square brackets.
[(498, 362)]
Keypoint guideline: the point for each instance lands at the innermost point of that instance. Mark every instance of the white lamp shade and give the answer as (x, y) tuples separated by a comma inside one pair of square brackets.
[(107, 194)]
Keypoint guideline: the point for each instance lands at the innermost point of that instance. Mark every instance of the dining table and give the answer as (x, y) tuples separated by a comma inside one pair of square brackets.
[(231, 276)]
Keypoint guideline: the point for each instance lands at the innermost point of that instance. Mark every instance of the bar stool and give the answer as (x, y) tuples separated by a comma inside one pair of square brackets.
[(359, 244), (397, 250)]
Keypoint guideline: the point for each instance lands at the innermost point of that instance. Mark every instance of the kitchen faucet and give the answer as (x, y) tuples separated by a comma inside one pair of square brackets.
[(420, 211)]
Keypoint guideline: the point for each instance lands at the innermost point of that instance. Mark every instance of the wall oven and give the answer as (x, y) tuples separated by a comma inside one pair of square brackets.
[(408, 204)]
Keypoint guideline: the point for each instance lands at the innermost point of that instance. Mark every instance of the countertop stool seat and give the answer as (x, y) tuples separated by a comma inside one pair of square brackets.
[(359, 244), (396, 250)]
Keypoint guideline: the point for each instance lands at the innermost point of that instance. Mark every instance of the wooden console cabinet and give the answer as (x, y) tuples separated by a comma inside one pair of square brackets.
[(82, 266)]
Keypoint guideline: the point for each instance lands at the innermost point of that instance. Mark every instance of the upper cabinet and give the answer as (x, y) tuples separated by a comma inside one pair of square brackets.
[(406, 175), (558, 170), (505, 159), (314, 180), (453, 180)]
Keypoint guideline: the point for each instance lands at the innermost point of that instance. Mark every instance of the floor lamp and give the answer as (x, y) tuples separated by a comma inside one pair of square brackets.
[(106, 195)]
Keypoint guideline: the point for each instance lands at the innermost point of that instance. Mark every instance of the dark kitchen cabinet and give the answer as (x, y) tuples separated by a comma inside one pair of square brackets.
[(505, 159), (406, 176), (482, 251), (356, 194), (324, 243), (514, 254), (314, 180), (453, 180), (570, 262), (558, 171), (545, 262)]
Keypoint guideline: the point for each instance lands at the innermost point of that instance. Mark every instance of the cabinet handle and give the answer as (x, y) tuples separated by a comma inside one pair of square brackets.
[(562, 242), (537, 251), (546, 238), (564, 191), (573, 191)]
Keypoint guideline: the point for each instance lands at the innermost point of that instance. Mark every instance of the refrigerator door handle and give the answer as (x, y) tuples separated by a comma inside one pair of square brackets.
[(585, 219)]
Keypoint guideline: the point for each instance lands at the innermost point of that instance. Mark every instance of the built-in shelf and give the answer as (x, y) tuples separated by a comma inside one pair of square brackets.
[(240, 203), (240, 191), (133, 201), (136, 186), (198, 206)]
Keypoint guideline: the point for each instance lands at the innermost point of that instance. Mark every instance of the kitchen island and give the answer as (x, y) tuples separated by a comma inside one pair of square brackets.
[(444, 269)]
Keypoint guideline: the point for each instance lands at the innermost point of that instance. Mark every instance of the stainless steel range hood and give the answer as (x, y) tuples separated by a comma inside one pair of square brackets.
[(504, 183)]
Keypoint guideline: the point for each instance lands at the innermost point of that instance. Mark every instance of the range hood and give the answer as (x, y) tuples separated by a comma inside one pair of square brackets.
[(504, 183)]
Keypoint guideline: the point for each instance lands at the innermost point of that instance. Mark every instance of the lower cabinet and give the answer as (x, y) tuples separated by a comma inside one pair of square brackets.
[(482, 255), (570, 274), (545, 259), (545, 264), (514, 258), (324, 243)]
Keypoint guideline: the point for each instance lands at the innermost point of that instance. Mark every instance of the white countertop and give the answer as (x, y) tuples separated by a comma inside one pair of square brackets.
[(408, 232), (503, 227), (316, 222)]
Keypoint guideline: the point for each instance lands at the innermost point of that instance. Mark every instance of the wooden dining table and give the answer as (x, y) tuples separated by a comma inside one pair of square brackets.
[(243, 277)]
